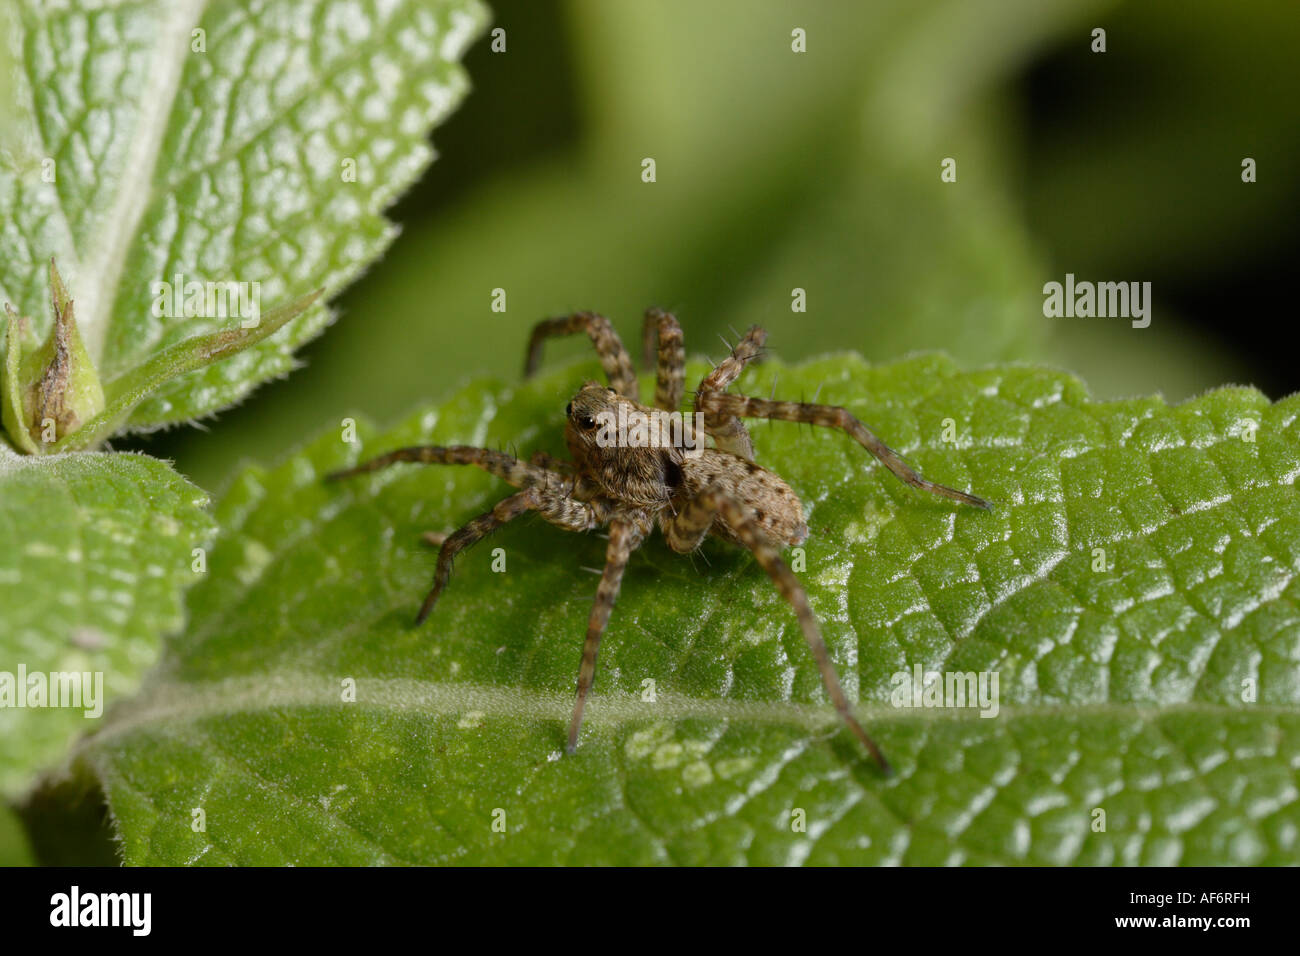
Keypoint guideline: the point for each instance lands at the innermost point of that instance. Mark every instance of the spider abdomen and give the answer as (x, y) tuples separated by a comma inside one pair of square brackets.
[(775, 508)]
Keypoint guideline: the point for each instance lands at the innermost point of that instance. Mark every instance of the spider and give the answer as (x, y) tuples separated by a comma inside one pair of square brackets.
[(689, 490)]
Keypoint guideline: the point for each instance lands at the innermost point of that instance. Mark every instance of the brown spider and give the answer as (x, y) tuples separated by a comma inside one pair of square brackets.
[(689, 490)]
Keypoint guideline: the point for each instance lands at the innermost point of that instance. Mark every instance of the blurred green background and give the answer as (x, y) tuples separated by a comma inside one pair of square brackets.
[(821, 170)]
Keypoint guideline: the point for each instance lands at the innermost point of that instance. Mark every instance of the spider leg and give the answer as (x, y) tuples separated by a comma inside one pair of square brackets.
[(609, 347), (830, 416), (624, 538), (506, 467), (548, 461), (727, 430), (559, 510), (689, 526), (687, 530), (670, 374)]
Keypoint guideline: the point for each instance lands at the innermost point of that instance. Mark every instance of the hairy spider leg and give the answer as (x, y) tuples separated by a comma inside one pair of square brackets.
[(558, 510), (670, 374), (609, 347), (728, 432), (624, 538), (508, 468), (543, 459), (687, 529), (830, 416)]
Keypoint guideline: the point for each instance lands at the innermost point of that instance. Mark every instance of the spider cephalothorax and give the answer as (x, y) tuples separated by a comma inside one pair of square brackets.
[(636, 466)]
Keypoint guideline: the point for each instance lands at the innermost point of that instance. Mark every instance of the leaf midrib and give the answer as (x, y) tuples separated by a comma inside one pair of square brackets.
[(169, 704), (100, 270)]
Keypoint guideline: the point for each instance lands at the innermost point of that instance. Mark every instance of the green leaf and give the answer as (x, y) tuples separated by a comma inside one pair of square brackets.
[(1148, 710), (95, 552), (232, 142)]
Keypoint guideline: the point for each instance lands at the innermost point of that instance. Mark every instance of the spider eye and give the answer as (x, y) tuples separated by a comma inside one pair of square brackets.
[(587, 422), (568, 410)]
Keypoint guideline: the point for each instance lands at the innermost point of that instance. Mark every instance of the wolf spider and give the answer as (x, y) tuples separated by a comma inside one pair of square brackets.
[(688, 490)]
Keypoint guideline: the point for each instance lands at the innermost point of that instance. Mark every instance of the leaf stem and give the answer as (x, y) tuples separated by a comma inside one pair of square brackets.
[(135, 386)]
